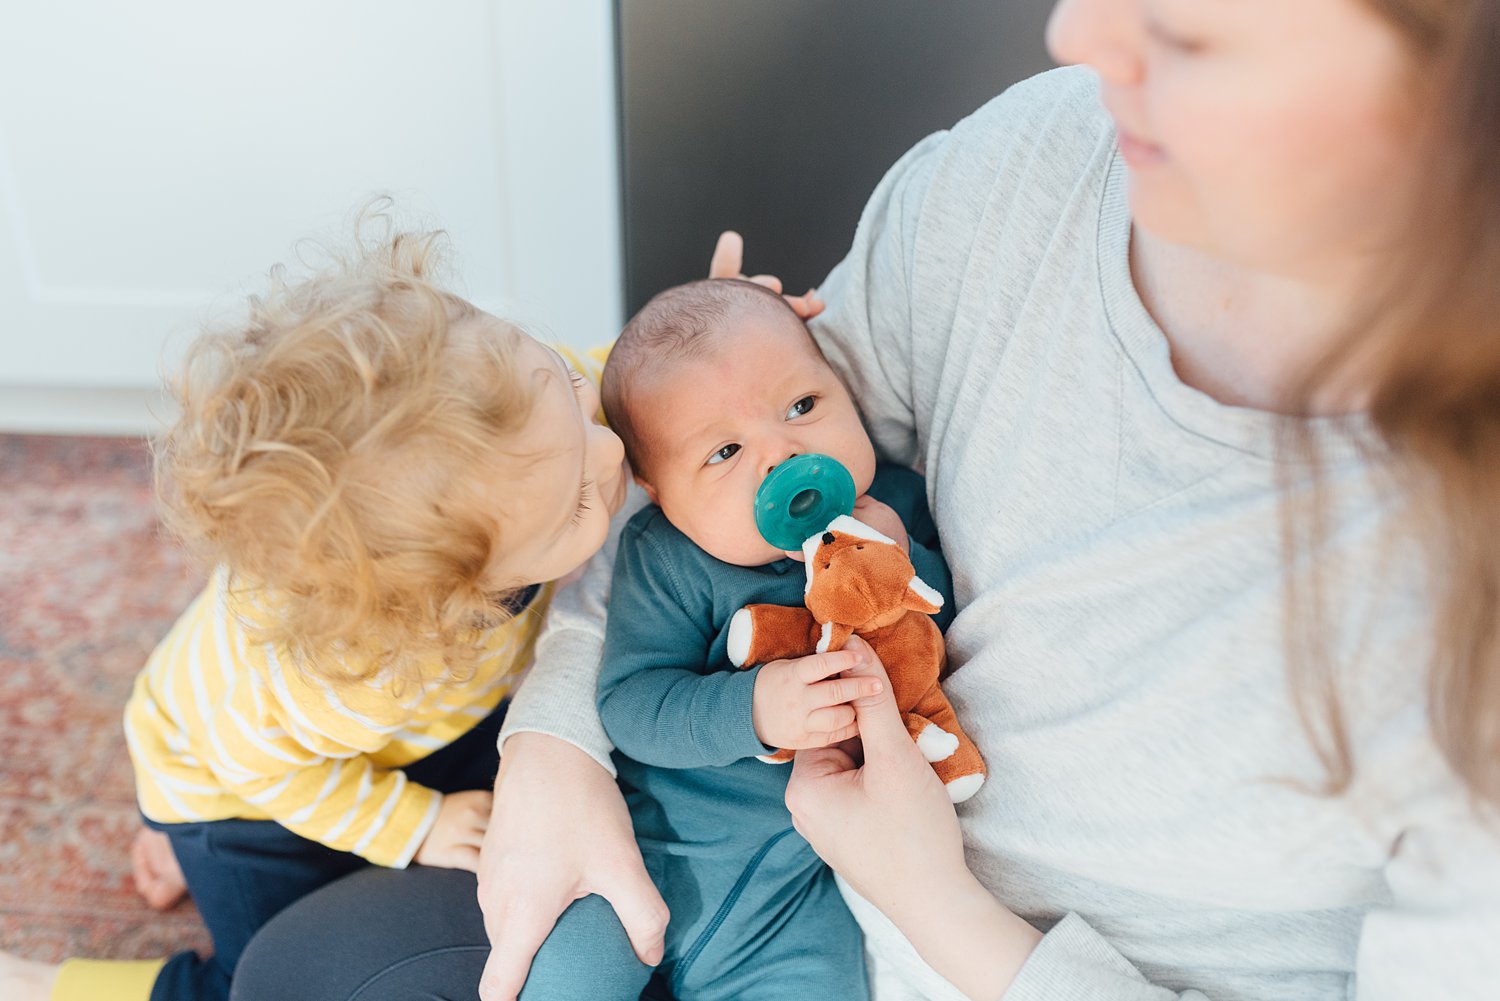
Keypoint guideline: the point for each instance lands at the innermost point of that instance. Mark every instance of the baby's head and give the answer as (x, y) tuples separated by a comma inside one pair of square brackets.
[(385, 460), (711, 385)]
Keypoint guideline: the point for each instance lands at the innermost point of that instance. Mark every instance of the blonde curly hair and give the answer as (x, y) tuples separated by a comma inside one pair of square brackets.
[(328, 456)]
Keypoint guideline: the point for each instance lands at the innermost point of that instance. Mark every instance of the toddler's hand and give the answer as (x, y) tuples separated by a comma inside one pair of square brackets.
[(803, 703), (453, 842)]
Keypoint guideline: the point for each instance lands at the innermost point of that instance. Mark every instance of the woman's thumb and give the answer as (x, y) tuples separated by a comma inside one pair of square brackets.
[(880, 723), (642, 912)]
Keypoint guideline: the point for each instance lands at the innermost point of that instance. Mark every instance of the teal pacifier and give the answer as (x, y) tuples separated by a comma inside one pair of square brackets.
[(800, 497)]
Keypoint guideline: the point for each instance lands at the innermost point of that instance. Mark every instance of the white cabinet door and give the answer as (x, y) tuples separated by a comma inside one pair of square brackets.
[(157, 158)]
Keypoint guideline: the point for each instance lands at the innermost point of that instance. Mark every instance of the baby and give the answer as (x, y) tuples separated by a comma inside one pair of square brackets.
[(711, 386)]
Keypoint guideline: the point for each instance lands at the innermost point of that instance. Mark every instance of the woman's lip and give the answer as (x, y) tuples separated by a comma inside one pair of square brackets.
[(1138, 152)]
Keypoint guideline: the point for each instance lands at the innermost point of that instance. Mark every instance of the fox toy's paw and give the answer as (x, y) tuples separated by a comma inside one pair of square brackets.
[(741, 637)]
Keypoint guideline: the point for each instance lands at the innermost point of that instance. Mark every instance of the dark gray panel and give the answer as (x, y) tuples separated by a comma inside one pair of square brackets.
[(778, 117)]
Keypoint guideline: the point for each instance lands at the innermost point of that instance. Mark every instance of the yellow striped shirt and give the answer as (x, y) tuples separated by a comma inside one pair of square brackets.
[(221, 725)]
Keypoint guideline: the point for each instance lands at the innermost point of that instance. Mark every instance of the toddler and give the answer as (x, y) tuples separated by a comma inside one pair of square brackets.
[(711, 386), (384, 477)]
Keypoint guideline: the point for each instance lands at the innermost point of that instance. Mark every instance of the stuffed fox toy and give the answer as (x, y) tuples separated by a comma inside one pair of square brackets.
[(861, 583)]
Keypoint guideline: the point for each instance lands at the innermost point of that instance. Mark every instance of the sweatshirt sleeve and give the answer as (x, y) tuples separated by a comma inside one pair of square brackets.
[(657, 704), (1435, 938), (557, 695)]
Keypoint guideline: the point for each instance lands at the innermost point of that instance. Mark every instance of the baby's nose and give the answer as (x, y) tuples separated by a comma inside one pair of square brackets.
[(774, 465)]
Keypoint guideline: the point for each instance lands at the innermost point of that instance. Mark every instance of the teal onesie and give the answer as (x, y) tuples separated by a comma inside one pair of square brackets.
[(755, 913)]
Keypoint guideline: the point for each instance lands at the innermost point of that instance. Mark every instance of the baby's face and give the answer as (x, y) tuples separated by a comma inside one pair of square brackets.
[(715, 426)]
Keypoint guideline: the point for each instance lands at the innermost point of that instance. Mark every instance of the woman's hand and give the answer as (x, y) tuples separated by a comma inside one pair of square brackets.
[(887, 826), (728, 259), (559, 831), (909, 833)]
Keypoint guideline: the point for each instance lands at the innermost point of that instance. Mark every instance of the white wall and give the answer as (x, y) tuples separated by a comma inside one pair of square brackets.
[(157, 158)]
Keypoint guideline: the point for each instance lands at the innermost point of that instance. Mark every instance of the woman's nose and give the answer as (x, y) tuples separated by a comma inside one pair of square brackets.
[(1105, 36)]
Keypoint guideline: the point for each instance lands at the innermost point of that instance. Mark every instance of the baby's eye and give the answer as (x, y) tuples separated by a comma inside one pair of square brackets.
[(802, 407), (723, 455)]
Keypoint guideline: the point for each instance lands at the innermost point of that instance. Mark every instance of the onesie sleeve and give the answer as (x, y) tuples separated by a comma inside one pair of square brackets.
[(657, 704)]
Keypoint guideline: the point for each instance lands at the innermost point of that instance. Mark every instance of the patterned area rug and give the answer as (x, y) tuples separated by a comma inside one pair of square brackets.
[(87, 587)]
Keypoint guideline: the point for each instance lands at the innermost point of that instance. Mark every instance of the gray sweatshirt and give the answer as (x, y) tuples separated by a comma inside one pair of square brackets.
[(1115, 546)]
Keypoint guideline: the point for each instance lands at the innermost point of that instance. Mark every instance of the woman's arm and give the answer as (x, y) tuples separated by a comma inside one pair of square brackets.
[(908, 859), (1435, 939)]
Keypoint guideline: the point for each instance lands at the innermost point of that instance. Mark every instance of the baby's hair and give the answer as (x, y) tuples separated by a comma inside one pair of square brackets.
[(676, 325), (326, 457)]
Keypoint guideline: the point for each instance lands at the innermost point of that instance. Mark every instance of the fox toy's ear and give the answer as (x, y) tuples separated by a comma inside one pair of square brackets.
[(921, 598)]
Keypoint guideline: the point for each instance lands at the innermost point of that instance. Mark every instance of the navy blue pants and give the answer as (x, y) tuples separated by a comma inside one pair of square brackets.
[(241, 873)]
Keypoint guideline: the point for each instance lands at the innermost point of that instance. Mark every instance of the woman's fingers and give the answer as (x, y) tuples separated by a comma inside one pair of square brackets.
[(812, 766), (517, 928), (807, 305), (881, 729), (768, 281), (729, 260), (729, 256)]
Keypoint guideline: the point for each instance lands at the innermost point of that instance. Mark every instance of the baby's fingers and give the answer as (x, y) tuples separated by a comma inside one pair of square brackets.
[(825, 665), (840, 690), (821, 723), (831, 737)]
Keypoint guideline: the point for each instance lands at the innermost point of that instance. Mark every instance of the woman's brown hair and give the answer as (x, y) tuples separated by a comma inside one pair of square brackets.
[(1429, 357)]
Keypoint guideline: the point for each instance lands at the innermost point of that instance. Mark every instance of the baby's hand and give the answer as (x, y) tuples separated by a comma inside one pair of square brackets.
[(879, 516), (802, 703), (453, 842), (883, 519)]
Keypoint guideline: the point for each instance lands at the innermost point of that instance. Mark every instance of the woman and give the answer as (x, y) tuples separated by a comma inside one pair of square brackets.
[(1235, 672)]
